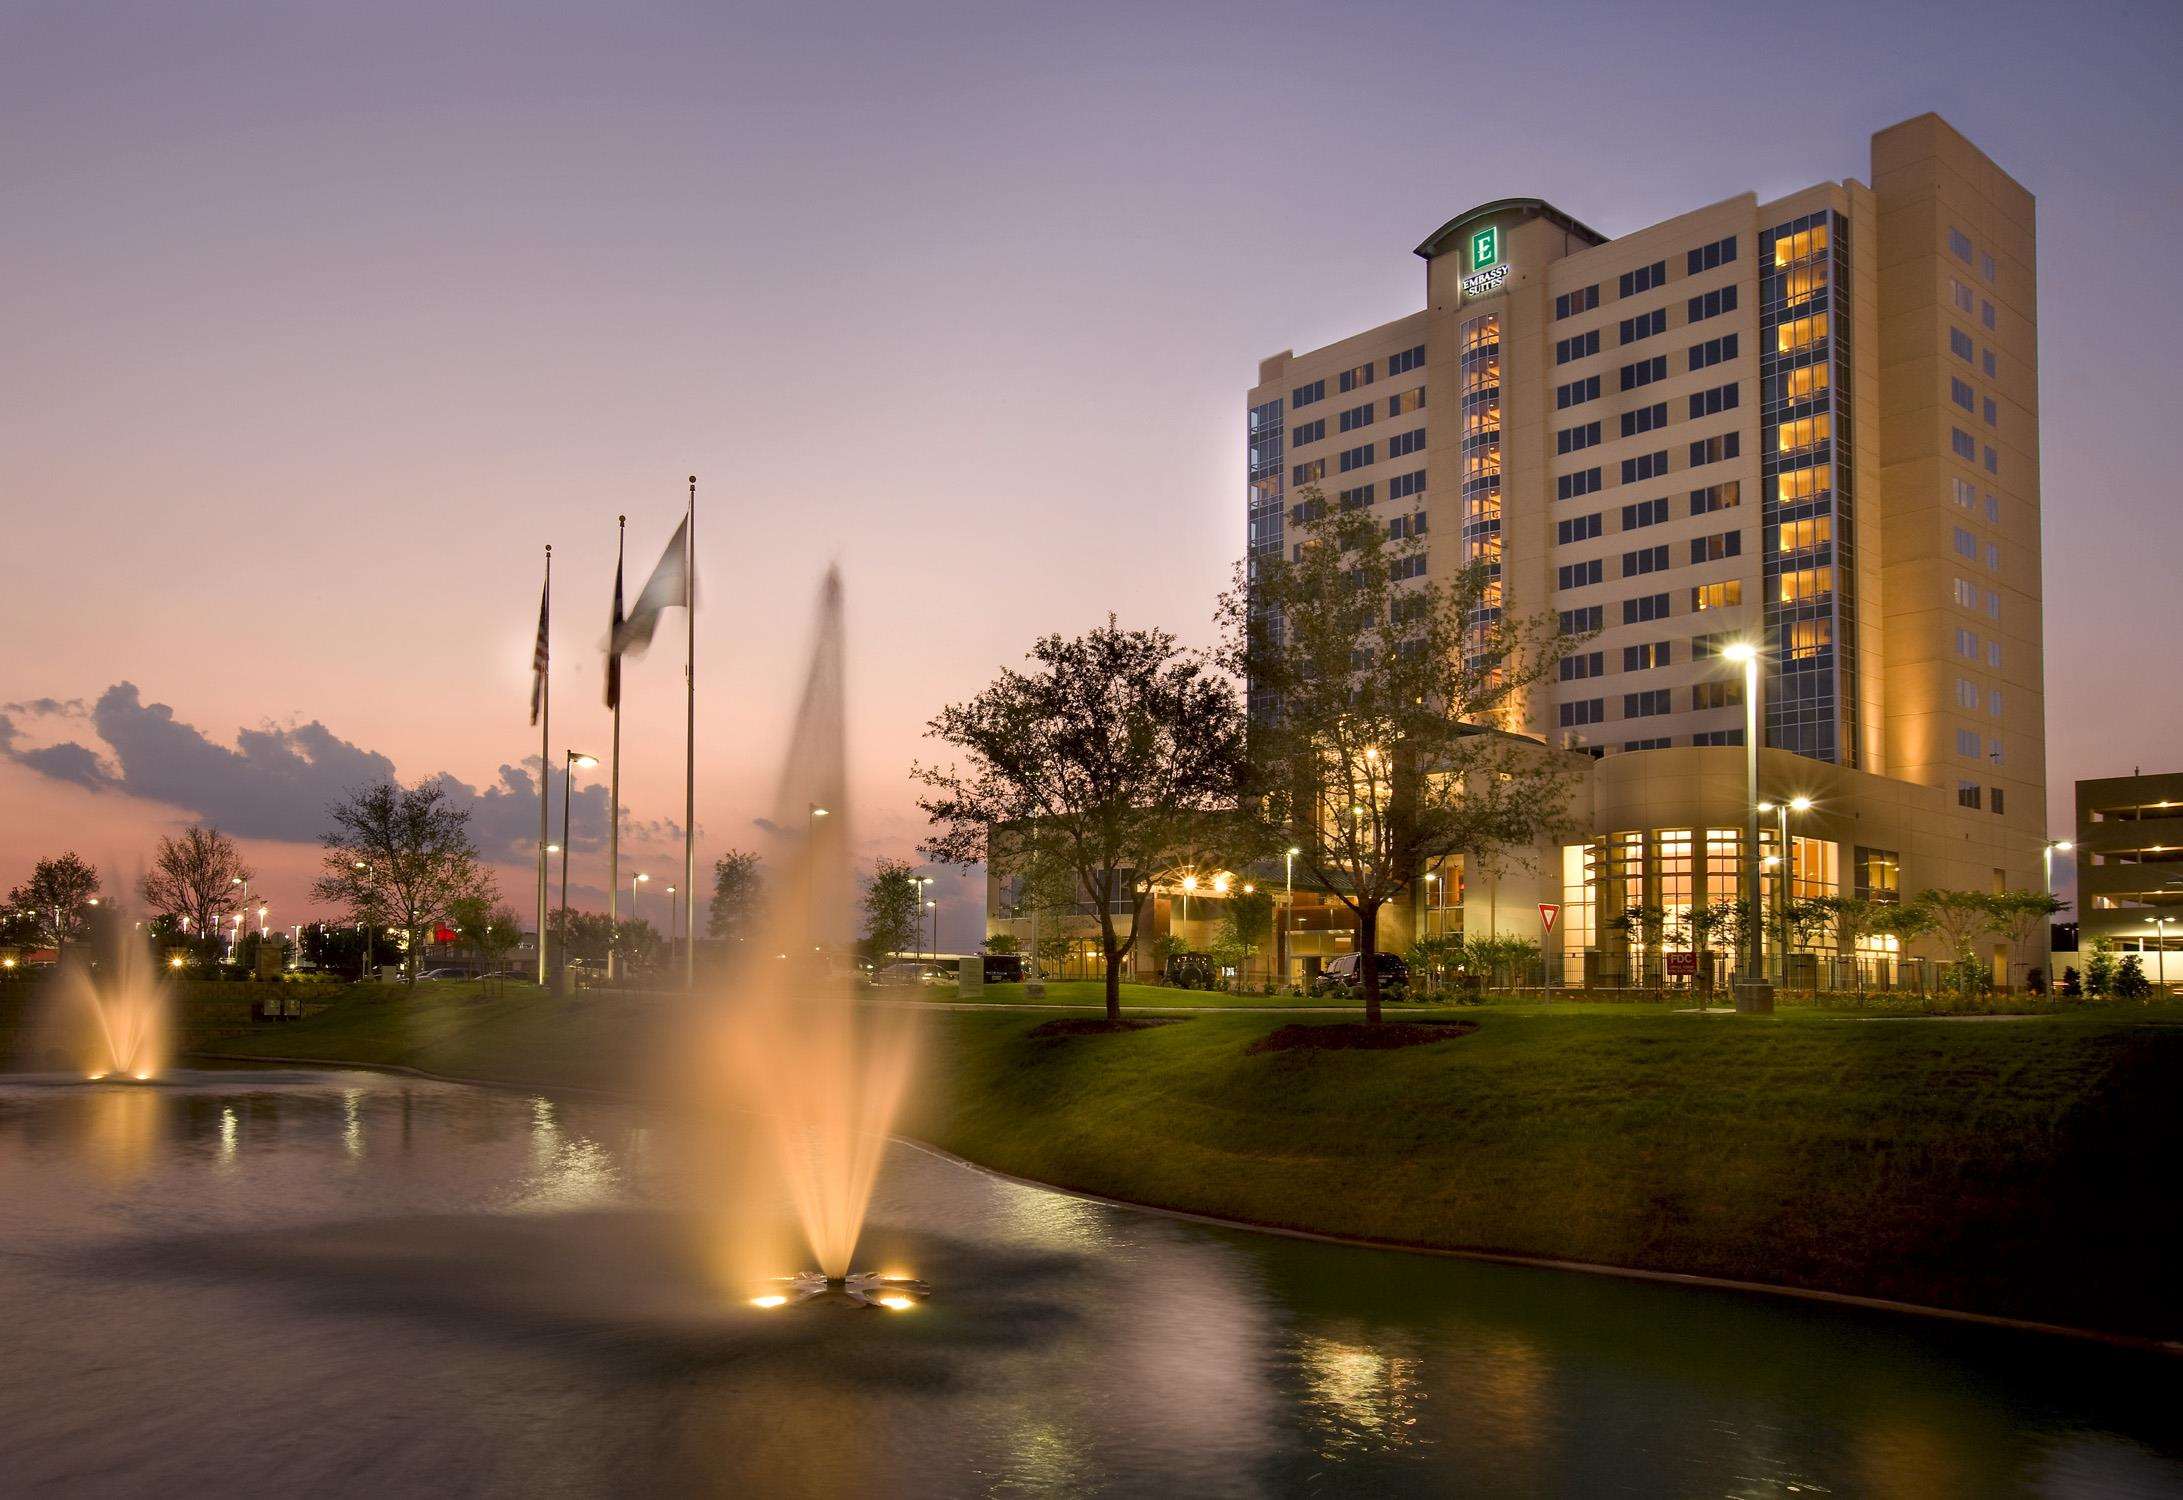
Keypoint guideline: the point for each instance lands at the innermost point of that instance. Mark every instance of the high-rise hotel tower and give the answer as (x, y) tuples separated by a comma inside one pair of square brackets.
[(1811, 423)]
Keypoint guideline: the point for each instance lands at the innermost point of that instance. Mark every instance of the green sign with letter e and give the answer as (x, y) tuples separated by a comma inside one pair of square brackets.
[(1485, 247)]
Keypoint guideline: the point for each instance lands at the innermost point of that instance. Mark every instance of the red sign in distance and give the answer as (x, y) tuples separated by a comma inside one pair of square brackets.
[(1548, 911)]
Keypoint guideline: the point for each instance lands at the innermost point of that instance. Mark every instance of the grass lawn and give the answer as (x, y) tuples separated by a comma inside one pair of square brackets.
[(1093, 993), (2024, 1167)]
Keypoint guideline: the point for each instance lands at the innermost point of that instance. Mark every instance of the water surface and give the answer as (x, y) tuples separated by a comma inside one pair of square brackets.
[(259, 1283)]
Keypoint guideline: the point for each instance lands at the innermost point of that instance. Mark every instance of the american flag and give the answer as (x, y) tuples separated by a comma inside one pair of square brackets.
[(538, 655)]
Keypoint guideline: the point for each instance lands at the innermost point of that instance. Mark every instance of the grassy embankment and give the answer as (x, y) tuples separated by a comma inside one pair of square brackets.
[(2020, 1167)]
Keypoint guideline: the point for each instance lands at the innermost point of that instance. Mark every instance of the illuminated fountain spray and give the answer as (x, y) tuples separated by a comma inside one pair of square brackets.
[(119, 1016), (821, 1075)]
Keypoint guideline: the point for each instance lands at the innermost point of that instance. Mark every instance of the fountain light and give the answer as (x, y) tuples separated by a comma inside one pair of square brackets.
[(776, 1300), (896, 1303)]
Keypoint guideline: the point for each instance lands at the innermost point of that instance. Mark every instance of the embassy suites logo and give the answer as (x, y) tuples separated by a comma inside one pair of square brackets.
[(1487, 270)]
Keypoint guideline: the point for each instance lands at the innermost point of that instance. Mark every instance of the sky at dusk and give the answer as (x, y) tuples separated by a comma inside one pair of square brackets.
[(323, 320)]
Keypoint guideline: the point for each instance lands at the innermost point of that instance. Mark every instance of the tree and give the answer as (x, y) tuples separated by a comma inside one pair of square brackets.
[(1119, 756), (488, 928), (2130, 981), (738, 891), (893, 907), (1044, 893), (192, 878), (1383, 748), (2021, 915), (52, 909), (1000, 942), (1959, 919), (2099, 969), (402, 855), (1646, 926), (1245, 922)]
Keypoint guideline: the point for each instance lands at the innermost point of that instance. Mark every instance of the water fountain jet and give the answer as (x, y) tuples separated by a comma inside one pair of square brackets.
[(118, 1015)]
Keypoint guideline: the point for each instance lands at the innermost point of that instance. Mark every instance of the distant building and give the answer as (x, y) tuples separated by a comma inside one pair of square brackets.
[(2130, 867)]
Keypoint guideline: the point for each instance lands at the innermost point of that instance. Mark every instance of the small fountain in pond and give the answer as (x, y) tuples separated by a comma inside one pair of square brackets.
[(117, 1015), (808, 1079)]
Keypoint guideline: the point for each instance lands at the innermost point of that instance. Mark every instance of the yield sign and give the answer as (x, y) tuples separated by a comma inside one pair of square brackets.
[(1548, 911)]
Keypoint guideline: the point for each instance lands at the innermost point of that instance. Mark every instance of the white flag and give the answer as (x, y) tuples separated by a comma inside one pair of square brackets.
[(668, 588)]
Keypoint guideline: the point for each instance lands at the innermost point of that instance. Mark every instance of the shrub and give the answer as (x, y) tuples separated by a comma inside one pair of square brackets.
[(2072, 984), (2130, 981)]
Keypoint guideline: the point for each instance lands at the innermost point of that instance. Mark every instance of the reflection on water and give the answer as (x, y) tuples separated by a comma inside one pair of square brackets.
[(518, 1285)]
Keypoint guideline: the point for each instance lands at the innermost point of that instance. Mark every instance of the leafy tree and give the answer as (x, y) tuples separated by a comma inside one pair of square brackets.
[(1000, 942), (893, 907), (2072, 983), (1380, 752), (1435, 960), (1500, 959), (1046, 895), (1646, 926), (489, 929), (192, 878), (1246, 920), (2020, 915), (402, 854), (738, 893), (2130, 980), (53, 908), (1118, 756), (2099, 969)]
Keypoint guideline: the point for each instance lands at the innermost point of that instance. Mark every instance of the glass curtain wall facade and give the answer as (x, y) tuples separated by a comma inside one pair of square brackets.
[(1267, 526), (1479, 371), (1808, 511)]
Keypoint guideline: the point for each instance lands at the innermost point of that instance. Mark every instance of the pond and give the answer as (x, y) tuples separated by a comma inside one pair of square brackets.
[(261, 1282)]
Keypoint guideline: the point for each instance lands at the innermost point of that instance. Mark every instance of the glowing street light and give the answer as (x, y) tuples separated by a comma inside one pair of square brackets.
[(1746, 655), (2046, 866)]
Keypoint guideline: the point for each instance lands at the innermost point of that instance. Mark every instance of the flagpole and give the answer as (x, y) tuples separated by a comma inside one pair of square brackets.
[(545, 762), (614, 793), (689, 747)]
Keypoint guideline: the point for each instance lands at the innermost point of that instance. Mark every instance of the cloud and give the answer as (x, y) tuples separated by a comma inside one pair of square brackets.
[(274, 782)]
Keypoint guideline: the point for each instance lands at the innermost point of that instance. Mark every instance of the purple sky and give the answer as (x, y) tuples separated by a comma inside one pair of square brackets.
[(321, 320)]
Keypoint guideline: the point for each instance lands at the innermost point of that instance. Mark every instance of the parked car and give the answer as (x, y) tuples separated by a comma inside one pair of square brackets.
[(1347, 971), (445, 974), (1004, 968), (1191, 971)]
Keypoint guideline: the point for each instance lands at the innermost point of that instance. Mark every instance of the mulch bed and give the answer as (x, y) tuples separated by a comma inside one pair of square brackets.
[(1101, 1026), (1360, 1036)]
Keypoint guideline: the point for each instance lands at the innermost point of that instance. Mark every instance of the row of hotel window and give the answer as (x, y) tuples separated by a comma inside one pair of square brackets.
[(1401, 445), (1798, 586), (1965, 447), (1647, 466), (1643, 560), (1649, 418), (1789, 536), (1399, 363), (1402, 403), (1401, 487), (1645, 278)]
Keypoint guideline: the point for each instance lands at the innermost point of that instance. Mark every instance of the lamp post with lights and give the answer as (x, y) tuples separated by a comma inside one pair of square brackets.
[(1784, 876), (1288, 906), (572, 762), (2047, 852), (1752, 993)]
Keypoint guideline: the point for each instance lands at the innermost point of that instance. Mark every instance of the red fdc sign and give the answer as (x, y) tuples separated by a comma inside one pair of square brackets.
[(1548, 911), (1682, 965)]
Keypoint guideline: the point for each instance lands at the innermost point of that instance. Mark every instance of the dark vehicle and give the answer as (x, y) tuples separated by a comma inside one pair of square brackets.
[(1348, 971), (1191, 971), (1004, 968)]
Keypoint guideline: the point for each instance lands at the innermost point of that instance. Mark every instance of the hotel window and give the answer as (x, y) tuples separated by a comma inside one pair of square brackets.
[(1805, 432), (1960, 392), (1800, 584), (1645, 560), (1644, 278), (1644, 325), (1660, 743), (1801, 333), (1355, 417), (1986, 266), (1577, 529), (1993, 703), (1351, 379), (1712, 304), (1706, 257), (1406, 567), (1967, 794), (1644, 607), (1576, 346), (1960, 295), (1648, 704), (1406, 360), (1959, 244), (1355, 458), (1722, 595), (1967, 743), (1645, 657), (1992, 461), (1580, 575), (1716, 497), (1569, 486), (1800, 484), (1304, 395), (1402, 528), (1713, 352), (1808, 640), (1571, 439), (1643, 467), (1964, 592), (1714, 548), (1959, 344), (1589, 620), (1993, 556), (1711, 695), (1706, 647), (1799, 536), (1966, 643), (1805, 382), (1967, 698), (1713, 450), (1989, 411), (1985, 312), (1305, 511), (1644, 372), (1358, 498), (1986, 363), (1402, 486), (1962, 444), (1993, 751), (1644, 419), (1583, 299), (1996, 794), (1644, 513), (1584, 664), (1310, 473), (1719, 399), (1993, 655), (1307, 432), (1964, 493), (1404, 402), (1966, 544), (1403, 444), (1877, 874), (1718, 737), (1583, 711), (1576, 392)]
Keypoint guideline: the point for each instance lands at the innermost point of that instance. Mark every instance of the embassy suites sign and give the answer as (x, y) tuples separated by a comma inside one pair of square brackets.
[(1487, 272)]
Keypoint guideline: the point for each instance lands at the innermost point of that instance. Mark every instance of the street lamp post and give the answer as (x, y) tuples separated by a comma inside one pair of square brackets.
[(635, 881), (1746, 655), (371, 876), (923, 884), (571, 763), (2046, 869), (2160, 926), (1784, 877), (934, 908), (1288, 907), (672, 925)]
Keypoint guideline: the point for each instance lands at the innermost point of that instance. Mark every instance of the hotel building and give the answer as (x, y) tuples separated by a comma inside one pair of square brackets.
[(1811, 423)]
